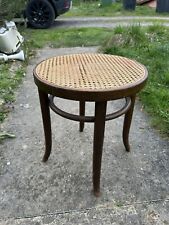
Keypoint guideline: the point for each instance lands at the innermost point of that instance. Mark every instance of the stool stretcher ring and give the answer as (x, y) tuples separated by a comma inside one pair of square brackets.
[(88, 119)]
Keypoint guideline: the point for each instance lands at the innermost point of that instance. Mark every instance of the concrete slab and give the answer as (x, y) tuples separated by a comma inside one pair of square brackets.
[(135, 186), (109, 214)]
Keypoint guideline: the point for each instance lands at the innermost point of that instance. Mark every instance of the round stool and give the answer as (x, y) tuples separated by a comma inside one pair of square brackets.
[(89, 77)]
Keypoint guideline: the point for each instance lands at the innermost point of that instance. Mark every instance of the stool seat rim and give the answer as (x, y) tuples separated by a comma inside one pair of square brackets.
[(91, 93)]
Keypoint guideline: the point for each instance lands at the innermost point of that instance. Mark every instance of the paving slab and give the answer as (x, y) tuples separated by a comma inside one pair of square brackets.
[(135, 185), (109, 214)]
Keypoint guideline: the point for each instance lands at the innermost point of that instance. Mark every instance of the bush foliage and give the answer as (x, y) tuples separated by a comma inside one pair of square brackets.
[(10, 8)]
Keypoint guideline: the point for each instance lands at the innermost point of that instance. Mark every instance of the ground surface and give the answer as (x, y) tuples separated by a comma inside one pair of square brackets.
[(108, 22), (135, 186)]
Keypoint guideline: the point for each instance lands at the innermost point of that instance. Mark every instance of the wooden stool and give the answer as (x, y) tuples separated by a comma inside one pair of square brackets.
[(89, 77)]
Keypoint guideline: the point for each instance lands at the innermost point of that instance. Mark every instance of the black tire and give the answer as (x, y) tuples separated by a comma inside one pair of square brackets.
[(40, 14)]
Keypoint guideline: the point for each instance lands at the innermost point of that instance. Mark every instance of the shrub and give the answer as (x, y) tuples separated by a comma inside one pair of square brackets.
[(10, 8)]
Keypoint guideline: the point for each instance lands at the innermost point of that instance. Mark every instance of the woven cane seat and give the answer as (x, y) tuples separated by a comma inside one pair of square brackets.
[(90, 72)]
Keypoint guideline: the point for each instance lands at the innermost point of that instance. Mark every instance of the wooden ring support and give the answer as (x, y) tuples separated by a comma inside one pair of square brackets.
[(88, 119)]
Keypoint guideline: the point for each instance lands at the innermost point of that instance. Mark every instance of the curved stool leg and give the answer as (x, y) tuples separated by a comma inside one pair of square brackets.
[(44, 103), (82, 113), (127, 124), (99, 127)]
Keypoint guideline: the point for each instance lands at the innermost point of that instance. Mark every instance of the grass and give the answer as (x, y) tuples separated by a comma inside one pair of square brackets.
[(9, 81), (149, 46), (35, 39), (91, 8), (68, 37)]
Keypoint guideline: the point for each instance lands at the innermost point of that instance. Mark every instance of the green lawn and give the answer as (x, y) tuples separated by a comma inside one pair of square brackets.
[(148, 45), (92, 8), (66, 37), (9, 81)]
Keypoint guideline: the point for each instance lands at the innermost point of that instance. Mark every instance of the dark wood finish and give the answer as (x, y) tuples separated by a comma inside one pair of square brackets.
[(99, 127), (82, 118), (82, 113), (121, 111), (84, 95), (67, 115), (127, 124), (99, 96), (44, 103)]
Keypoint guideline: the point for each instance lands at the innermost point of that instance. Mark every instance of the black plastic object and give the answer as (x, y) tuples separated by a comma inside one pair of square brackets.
[(162, 6), (129, 4)]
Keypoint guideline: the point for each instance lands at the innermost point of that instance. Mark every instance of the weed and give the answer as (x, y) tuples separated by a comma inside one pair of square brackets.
[(149, 46), (9, 81)]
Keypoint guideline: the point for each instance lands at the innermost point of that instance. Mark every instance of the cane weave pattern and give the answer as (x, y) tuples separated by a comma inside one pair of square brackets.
[(90, 71)]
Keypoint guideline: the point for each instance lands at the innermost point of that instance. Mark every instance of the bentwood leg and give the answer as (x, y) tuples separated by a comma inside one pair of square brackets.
[(82, 113), (127, 124), (99, 127), (44, 103)]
